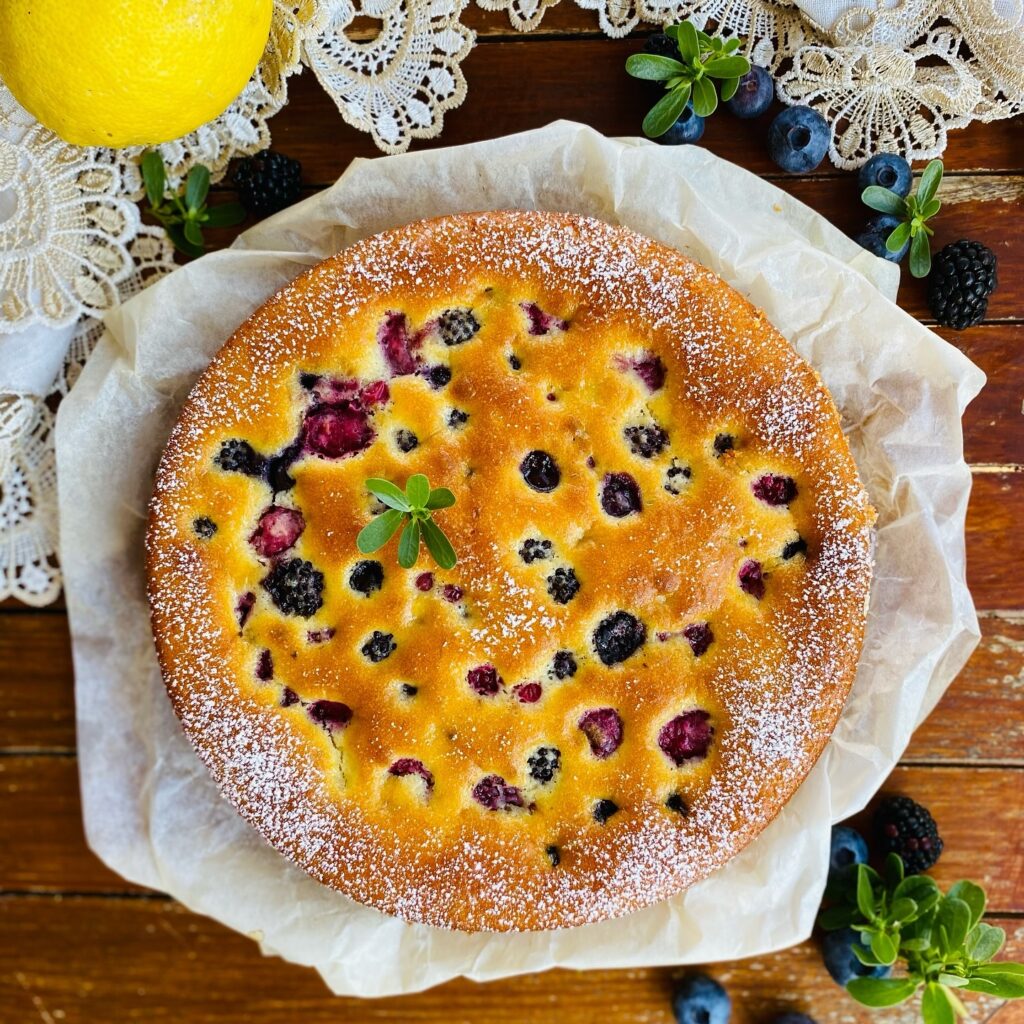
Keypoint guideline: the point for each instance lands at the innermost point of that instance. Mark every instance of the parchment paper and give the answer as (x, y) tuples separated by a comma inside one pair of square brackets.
[(151, 811)]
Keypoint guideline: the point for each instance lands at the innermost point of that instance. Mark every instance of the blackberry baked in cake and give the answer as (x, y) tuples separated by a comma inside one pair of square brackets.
[(658, 604)]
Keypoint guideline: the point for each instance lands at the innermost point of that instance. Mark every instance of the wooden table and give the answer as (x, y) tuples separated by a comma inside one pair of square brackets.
[(79, 944)]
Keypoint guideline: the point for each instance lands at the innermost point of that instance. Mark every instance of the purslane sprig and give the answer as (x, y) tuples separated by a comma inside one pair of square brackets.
[(914, 212), (415, 507), (185, 214), (941, 939), (701, 59)]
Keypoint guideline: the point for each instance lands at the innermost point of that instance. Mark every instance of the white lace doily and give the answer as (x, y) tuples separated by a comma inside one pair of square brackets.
[(888, 74)]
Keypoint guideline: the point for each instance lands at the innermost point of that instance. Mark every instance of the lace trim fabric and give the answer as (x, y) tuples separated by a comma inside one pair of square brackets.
[(888, 74)]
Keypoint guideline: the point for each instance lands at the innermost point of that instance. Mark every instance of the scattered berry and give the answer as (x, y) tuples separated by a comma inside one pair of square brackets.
[(661, 45), (366, 576), (837, 948), (265, 666), (563, 585), (379, 646), (903, 826), (397, 345), (877, 232), (539, 322), (887, 170), (603, 728), (289, 697), (411, 766), (676, 477), (338, 430), (794, 548), (753, 95), (484, 680), (540, 471), (375, 393), (204, 527), (457, 326), (295, 587), (847, 847), (646, 441), (962, 278), (798, 139), (277, 530), (277, 468), (457, 418), (533, 550), (620, 495), (553, 855), (494, 793), (604, 809), (515, 362), (425, 582), (686, 737), (699, 636), (236, 456), (751, 578), (543, 764), (688, 128), (649, 368), (723, 443), (774, 490), (452, 593), (675, 803), (792, 1017), (244, 607), (406, 441), (439, 376), (331, 714), (319, 636), (408, 690), (267, 182), (618, 637), (527, 693), (564, 665), (698, 999)]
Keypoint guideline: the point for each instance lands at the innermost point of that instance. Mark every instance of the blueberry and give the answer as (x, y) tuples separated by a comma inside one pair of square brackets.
[(698, 999), (277, 468), (457, 326), (554, 855), (618, 637), (265, 666), (677, 805), (204, 527), (751, 578), (366, 576), (563, 585), (888, 170), (515, 362), (244, 607), (331, 714), (533, 550), (688, 129), (875, 234), (837, 949), (289, 697), (406, 440), (379, 646), (798, 139), (544, 763), (794, 548), (754, 94), (457, 418), (564, 665), (295, 587), (408, 690), (236, 456), (646, 441), (604, 809), (699, 636), (723, 443), (540, 471), (848, 847), (620, 495)]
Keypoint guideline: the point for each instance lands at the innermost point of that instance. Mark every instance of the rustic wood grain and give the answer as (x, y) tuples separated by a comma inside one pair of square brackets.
[(92, 961), (978, 810), (994, 518)]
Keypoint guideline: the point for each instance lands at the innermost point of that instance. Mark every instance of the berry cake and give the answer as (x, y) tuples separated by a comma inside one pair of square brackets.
[(659, 599)]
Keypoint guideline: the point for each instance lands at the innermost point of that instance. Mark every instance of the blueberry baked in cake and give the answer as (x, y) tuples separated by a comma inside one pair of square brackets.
[(657, 602)]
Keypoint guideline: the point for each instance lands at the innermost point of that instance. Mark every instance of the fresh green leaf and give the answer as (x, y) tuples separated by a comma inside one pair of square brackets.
[(920, 256), (732, 45), (865, 955), (984, 941), (653, 67), (915, 945), (224, 216), (893, 870), (376, 533), (951, 980), (193, 233), (935, 1006), (387, 492), (705, 99), (971, 894), (727, 67), (438, 545), (440, 497), (931, 208), (177, 236), (981, 985), (899, 238), (728, 88), (1000, 967), (884, 948), (902, 909), (409, 544), (929, 183), (884, 201), (666, 112), (417, 490), (1006, 985), (197, 185), (835, 917), (865, 893), (879, 992), (154, 177), (689, 45)]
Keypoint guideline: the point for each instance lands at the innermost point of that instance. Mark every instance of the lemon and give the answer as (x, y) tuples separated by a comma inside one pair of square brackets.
[(129, 72)]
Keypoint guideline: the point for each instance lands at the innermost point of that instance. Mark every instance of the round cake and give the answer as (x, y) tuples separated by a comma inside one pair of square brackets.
[(658, 602)]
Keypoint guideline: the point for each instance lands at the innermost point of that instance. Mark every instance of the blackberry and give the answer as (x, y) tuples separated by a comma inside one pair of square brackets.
[(457, 418), (962, 278), (237, 456), (204, 527), (484, 680), (661, 45), (267, 182), (620, 495), (774, 490), (646, 441), (563, 585), (564, 665), (295, 587), (457, 326), (277, 468), (366, 576), (540, 471), (751, 578), (618, 637), (903, 826), (494, 793), (439, 376), (379, 646), (604, 809), (533, 550), (543, 763), (676, 477), (724, 443), (406, 440)]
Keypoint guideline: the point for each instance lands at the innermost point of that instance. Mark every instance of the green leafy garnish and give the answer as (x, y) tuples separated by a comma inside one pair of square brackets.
[(941, 939), (701, 59), (415, 507), (184, 215), (914, 212)]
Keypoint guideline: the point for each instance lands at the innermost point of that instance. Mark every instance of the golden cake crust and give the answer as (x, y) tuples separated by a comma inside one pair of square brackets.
[(354, 735)]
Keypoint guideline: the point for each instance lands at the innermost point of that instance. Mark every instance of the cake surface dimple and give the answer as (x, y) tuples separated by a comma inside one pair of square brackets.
[(657, 609)]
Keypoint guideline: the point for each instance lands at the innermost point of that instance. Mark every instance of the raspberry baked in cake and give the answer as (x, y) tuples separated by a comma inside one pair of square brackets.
[(657, 604)]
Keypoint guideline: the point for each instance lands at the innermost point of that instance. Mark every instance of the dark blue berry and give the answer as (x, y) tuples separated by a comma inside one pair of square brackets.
[(457, 418), (379, 646), (439, 376), (277, 468), (676, 477), (204, 527), (540, 471), (295, 587), (457, 326), (267, 182), (366, 576), (661, 45), (563, 585), (544, 763), (875, 234), (236, 456), (847, 847), (620, 495), (888, 170), (798, 139), (688, 128), (754, 94), (646, 440), (515, 362), (533, 550), (724, 443), (837, 949), (794, 548), (408, 690), (564, 665), (618, 637), (406, 440), (698, 999), (677, 804), (604, 809), (554, 855)]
